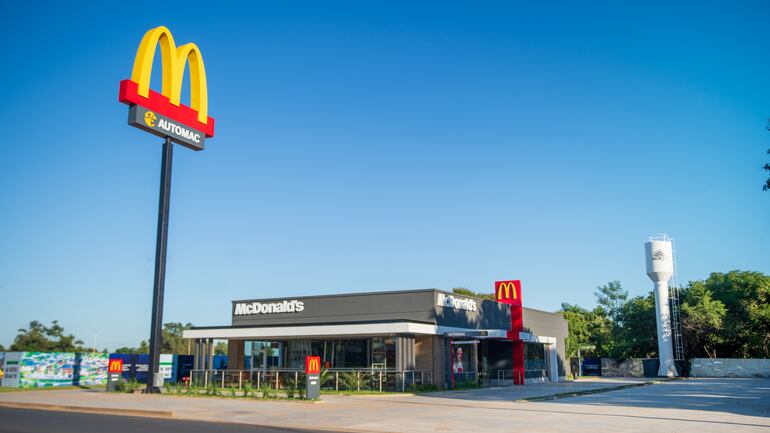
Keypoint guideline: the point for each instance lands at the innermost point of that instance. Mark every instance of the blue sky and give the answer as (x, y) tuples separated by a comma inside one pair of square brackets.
[(379, 146)]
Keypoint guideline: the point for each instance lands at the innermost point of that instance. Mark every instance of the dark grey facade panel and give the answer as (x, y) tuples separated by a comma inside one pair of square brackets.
[(551, 325), (413, 306), (380, 306)]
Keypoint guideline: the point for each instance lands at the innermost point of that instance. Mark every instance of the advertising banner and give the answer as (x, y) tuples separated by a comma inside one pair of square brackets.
[(11, 369), (135, 366), (46, 369)]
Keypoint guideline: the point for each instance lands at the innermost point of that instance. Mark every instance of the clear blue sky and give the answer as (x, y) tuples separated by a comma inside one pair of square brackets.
[(379, 146)]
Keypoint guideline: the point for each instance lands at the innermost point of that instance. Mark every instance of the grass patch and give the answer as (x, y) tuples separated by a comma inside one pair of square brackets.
[(354, 392), (50, 388)]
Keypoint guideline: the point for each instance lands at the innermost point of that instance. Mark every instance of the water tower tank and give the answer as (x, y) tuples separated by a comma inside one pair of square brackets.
[(660, 268)]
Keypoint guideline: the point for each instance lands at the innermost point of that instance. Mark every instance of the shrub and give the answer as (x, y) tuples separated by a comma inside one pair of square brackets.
[(267, 392), (132, 385), (120, 386), (292, 388), (425, 387), (467, 384)]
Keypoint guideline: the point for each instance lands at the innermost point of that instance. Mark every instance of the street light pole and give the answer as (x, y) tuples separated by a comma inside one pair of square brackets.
[(154, 379)]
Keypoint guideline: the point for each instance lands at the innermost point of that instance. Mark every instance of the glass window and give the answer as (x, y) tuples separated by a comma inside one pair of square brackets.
[(296, 353), (384, 351), (534, 360)]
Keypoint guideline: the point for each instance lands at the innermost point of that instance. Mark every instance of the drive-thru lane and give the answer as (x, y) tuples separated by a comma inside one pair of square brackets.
[(43, 421), (697, 406)]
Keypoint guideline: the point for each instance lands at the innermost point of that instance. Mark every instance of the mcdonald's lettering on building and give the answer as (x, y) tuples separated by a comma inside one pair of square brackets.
[(162, 113)]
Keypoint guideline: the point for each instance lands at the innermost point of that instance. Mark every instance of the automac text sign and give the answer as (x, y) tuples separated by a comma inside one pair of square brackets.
[(162, 113), (162, 126)]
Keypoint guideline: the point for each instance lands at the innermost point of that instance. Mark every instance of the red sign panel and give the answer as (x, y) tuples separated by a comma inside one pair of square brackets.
[(313, 364), (509, 292), (115, 366)]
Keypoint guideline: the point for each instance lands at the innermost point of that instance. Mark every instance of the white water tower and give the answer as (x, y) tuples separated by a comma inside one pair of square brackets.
[(659, 254)]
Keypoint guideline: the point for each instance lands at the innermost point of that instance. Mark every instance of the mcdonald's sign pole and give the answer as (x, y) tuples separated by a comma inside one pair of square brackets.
[(509, 292), (162, 114), (312, 377), (114, 373)]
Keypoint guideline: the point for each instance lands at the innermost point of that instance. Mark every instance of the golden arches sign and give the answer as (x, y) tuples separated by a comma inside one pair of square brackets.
[(116, 366), (174, 60), (313, 364), (506, 290)]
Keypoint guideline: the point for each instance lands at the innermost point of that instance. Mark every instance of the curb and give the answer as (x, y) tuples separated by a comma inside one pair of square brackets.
[(86, 409), (587, 392)]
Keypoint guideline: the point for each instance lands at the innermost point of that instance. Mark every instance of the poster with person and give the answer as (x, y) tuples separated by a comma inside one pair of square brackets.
[(458, 361)]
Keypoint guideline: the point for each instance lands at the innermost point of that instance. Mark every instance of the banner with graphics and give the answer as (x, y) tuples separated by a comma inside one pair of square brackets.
[(47, 369)]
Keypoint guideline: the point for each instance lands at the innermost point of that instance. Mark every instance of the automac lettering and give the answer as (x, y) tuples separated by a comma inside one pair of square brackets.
[(179, 130), (253, 308)]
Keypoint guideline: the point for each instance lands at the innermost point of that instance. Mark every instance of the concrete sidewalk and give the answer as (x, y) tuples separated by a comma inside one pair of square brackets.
[(489, 409)]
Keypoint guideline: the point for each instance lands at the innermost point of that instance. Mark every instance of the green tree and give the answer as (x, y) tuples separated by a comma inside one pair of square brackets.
[(702, 321), (143, 348), (636, 329), (220, 348), (2, 348), (587, 328), (611, 298), (41, 338), (467, 292), (172, 338), (746, 324)]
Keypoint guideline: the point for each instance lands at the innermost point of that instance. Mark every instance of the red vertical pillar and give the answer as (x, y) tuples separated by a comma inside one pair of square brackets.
[(509, 292), (518, 362)]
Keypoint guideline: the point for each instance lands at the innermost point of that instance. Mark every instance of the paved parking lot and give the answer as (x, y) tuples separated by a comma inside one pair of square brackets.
[(696, 405)]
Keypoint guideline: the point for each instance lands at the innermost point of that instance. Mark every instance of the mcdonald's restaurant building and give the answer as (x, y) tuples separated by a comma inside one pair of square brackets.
[(412, 337)]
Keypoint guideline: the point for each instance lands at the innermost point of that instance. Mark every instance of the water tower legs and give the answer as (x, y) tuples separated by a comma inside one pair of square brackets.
[(665, 346)]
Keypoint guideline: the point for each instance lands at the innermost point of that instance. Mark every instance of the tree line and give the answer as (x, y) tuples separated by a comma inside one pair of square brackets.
[(38, 337), (726, 315)]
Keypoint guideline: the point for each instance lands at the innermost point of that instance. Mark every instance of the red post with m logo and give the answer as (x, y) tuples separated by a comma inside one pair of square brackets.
[(509, 292)]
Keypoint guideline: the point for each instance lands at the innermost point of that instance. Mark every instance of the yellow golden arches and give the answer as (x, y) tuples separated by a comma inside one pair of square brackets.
[(504, 290), (174, 60), (314, 364)]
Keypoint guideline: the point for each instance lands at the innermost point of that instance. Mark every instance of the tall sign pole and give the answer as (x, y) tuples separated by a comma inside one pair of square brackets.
[(159, 283), (162, 114)]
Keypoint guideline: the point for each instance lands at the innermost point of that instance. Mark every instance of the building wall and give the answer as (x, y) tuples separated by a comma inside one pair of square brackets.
[(415, 306), (439, 360), (235, 355), (543, 323), (423, 351), (729, 367)]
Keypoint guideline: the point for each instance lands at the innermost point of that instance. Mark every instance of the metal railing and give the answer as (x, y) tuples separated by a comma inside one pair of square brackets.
[(508, 375), (465, 377), (331, 379)]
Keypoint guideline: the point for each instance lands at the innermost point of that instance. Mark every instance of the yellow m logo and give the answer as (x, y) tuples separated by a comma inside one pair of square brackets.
[(506, 290), (174, 60), (312, 364)]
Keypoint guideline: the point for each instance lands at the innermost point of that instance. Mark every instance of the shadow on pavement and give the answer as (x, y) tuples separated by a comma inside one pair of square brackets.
[(738, 396)]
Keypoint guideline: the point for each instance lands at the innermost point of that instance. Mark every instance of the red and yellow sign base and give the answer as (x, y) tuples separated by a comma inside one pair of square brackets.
[(128, 94)]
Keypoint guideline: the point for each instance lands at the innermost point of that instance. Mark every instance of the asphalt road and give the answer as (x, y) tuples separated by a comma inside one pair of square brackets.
[(43, 421)]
